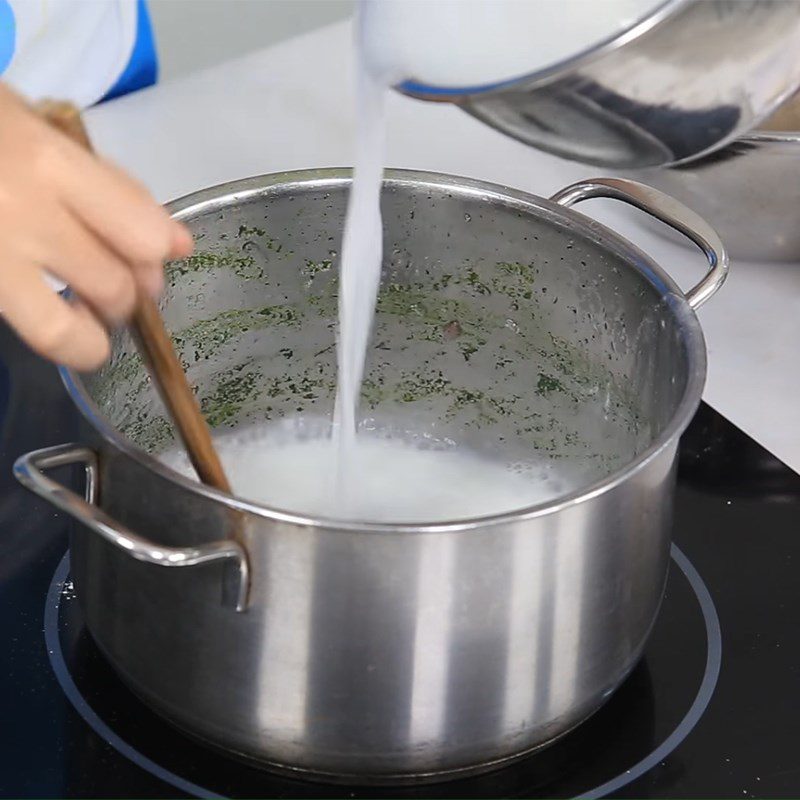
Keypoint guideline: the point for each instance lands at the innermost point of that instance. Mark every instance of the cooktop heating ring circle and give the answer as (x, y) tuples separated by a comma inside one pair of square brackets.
[(104, 731)]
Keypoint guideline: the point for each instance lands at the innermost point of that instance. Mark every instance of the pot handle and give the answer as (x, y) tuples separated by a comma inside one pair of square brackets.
[(29, 471), (668, 210)]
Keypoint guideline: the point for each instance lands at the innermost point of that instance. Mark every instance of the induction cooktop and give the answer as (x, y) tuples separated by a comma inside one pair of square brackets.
[(711, 710)]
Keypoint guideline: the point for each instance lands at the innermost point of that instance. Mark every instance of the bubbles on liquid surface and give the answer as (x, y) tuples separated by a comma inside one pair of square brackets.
[(403, 479)]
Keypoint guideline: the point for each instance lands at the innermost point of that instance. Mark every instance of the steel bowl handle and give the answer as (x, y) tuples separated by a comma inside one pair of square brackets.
[(668, 210), (29, 471)]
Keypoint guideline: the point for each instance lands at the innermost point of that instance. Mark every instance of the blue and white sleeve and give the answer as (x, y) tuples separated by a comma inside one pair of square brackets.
[(84, 51)]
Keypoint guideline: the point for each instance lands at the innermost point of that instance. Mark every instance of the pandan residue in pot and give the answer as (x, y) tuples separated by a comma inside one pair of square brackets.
[(256, 386)]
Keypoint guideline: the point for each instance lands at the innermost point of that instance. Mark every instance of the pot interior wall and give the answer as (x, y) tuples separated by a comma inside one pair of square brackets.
[(498, 326)]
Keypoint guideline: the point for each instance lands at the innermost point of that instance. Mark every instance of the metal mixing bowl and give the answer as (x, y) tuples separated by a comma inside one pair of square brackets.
[(688, 78)]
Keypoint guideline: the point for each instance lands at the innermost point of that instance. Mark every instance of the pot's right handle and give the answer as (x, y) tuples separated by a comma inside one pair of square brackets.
[(29, 471), (668, 210)]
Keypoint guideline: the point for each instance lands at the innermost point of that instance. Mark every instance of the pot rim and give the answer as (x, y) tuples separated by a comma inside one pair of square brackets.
[(225, 194)]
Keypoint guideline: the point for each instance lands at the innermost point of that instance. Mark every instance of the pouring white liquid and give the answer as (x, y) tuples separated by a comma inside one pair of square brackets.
[(362, 477), (360, 270), (388, 33)]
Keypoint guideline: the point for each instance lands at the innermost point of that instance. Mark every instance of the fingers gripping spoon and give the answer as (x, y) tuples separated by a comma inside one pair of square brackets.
[(154, 343)]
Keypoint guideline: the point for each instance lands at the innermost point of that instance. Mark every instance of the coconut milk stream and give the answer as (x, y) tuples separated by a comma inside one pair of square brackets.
[(362, 476)]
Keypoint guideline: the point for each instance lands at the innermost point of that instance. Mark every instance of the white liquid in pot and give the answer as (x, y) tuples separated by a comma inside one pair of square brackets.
[(391, 480)]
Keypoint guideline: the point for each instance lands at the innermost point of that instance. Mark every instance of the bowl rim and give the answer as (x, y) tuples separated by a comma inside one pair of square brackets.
[(232, 192), (762, 136)]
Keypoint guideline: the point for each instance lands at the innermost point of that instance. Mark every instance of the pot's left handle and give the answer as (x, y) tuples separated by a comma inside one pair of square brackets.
[(668, 210), (29, 471)]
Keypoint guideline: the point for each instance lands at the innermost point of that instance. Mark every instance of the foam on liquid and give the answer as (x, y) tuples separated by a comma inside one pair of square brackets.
[(393, 480)]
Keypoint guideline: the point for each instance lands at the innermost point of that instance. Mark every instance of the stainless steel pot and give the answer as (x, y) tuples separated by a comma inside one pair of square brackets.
[(684, 81), (749, 191), (380, 651)]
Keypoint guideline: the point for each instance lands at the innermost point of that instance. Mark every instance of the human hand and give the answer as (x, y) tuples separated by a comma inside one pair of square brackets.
[(69, 213)]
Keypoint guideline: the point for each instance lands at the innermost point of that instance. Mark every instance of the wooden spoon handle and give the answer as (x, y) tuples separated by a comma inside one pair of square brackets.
[(154, 342), (159, 355)]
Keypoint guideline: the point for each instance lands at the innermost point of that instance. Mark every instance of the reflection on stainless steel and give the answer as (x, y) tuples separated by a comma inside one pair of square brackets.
[(693, 76), (29, 470), (428, 696), (666, 209), (748, 191), (386, 651)]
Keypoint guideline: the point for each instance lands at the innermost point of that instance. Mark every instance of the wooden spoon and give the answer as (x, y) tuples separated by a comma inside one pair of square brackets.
[(154, 342)]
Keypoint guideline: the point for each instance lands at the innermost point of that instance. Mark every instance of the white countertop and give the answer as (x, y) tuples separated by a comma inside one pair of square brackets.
[(290, 107)]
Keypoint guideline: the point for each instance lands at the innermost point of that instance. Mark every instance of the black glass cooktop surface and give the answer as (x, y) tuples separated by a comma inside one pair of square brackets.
[(711, 710)]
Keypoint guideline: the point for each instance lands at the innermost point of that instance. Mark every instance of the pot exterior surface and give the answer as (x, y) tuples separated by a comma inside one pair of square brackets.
[(377, 655), (397, 651)]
